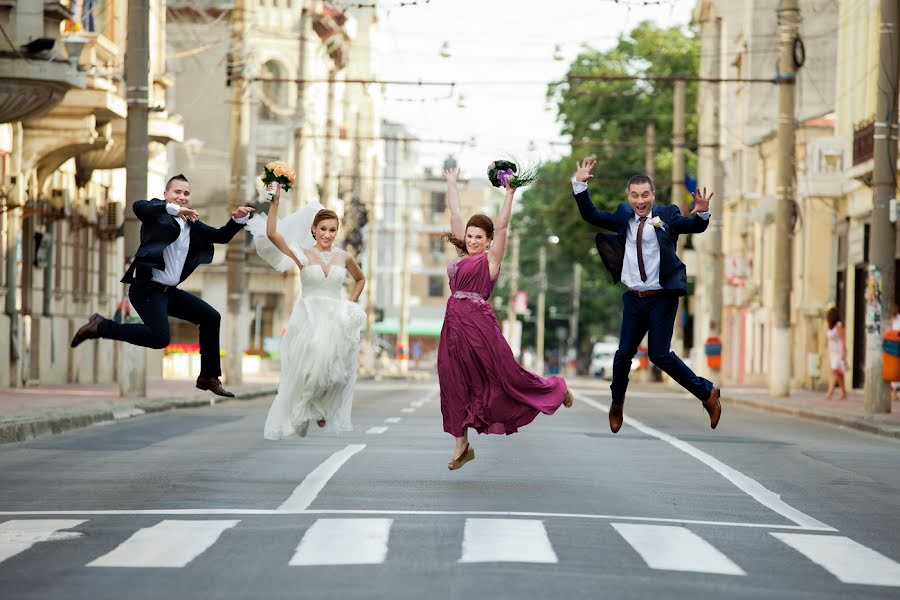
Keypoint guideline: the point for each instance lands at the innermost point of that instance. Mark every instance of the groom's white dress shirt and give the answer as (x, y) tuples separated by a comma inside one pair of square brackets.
[(631, 274), (175, 254)]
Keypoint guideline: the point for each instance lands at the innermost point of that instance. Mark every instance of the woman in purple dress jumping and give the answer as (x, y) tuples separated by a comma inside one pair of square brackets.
[(482, 385)]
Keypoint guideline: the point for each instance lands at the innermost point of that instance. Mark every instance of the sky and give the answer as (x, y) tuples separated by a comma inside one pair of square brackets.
[(501, 59)]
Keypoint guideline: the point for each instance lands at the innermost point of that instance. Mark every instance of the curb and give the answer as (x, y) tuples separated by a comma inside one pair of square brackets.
[(869, 424), (33, 425)]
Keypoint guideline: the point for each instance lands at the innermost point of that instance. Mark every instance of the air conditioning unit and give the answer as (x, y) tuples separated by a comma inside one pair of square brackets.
[(110, 221)]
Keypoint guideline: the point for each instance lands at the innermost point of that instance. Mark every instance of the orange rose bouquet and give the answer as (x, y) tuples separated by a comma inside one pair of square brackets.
[(278, 172)]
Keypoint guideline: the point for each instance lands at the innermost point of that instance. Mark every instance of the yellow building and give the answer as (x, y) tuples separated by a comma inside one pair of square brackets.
[(62, 179), (857, 79)]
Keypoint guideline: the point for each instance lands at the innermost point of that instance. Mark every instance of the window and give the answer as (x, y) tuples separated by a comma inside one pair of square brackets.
[(438, 202), (436, 249), (435, 286)]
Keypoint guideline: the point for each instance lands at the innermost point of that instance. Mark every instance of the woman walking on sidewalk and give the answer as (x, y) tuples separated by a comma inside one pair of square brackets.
[(482, 385), (837, 352)]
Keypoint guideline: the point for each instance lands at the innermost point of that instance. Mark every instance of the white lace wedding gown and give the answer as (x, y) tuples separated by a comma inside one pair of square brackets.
[(319, 348)]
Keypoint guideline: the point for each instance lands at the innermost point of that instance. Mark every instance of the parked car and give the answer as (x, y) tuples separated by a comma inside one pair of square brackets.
[(602, 356)]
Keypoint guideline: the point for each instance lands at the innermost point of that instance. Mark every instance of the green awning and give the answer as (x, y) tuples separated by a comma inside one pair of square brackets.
[(419, 326)]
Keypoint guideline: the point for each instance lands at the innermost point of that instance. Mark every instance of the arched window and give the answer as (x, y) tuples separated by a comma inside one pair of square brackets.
[(273, 101)]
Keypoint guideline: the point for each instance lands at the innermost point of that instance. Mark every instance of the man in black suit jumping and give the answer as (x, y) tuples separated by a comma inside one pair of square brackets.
[(174, 242), (647, 264)]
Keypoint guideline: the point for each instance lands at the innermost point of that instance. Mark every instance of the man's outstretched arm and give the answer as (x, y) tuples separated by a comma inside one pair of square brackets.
[(586, 207)]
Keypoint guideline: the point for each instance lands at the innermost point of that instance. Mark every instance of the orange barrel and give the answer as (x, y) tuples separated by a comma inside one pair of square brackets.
[(643, 358), (713, 350), (890, 357)]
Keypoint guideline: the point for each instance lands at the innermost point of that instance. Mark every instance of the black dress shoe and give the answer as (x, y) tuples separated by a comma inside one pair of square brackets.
[(88, 331), (213, 385), (714, 407), (616, 416)]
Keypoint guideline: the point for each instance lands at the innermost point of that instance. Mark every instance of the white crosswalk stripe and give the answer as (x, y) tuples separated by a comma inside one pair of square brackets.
[(849, 561), (344, 542), (675, 549), (365, 541), (19, 535), (506, 540), (166, 544)]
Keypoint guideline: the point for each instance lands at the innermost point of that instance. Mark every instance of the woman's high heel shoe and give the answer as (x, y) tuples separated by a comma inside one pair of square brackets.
[(467, 455), (569, 399)]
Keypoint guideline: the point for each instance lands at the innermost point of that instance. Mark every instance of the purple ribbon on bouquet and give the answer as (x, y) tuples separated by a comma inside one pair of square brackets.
[(504, 176)]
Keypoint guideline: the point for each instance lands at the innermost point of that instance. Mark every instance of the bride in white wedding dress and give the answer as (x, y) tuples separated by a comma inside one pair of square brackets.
[(321, 342)]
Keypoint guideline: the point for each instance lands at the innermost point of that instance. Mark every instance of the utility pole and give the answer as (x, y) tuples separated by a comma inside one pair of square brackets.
[(410, 246), (513, 289), (133, 359), (300, 111), (328, 167), (884, 187), (650, 158), (678, 196), (709, 245), (372, 280), (780, 355), (235, 254), (576, 306), (541, 300)]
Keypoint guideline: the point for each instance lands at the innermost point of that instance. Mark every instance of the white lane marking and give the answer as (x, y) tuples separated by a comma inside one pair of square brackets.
[(393, 419), (419, 403), (746, 484), (672, 548), (407, 410), (377, 429), (344, 542), (849, 561), (506, 540), (540, 515), (168, 544), (19, 535), (312, 484)]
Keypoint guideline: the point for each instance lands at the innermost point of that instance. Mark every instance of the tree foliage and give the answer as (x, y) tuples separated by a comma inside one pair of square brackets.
[(606, 119)]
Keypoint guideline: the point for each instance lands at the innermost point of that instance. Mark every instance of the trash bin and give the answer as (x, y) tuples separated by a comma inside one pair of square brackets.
[(643, 358), (713, 351), (890, 358)]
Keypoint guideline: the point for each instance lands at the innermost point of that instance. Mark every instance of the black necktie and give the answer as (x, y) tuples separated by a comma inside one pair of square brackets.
[(640, 250)]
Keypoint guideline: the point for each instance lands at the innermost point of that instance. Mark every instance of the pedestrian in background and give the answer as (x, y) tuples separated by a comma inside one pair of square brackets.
[(837, 352)]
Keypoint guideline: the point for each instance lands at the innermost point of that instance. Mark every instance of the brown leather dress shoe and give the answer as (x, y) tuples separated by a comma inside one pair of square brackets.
[(616, 416), (88, 331), (713, 407), (213, 385)]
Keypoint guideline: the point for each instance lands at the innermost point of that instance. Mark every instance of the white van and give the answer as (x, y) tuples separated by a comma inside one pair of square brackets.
[(602, 357)]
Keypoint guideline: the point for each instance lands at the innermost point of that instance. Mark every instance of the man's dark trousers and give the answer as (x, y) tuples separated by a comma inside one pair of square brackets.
[(155, 307), (655, 314)]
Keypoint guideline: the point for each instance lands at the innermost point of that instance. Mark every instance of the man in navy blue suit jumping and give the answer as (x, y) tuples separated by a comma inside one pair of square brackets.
[(640, 253)]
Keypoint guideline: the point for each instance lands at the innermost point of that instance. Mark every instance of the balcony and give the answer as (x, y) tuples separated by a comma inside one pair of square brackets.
[(35, 69)]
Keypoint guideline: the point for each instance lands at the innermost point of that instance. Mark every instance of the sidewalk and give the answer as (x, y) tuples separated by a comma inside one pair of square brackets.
[(801, 403), (26, 413)]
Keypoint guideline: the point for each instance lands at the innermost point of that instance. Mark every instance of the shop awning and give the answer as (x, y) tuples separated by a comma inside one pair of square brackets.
[(419, 326)]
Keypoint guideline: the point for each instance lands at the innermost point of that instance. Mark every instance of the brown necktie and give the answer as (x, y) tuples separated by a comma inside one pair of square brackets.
[(640, 250)]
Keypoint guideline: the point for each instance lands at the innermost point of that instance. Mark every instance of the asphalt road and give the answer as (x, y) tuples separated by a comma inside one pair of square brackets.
[(195, 504)]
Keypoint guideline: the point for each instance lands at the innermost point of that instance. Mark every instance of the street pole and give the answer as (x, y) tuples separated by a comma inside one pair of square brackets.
[(678, 196), (513, 287), (328, 158), (133, 359), (650, 157), (372, 280), (403, 332), (781, 351), (235, 254), (300, 111), (576, 306), (541, 300), (884, 187)]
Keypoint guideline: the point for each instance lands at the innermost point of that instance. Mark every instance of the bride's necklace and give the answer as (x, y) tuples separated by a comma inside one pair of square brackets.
[(326, 257)]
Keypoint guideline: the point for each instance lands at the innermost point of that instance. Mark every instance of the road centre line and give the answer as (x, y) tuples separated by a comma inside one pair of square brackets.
[(414, 513), (312, 484), (746, 484)]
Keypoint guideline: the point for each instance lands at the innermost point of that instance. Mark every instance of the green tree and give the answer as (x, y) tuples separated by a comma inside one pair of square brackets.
[(608, 120)]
